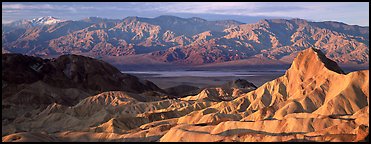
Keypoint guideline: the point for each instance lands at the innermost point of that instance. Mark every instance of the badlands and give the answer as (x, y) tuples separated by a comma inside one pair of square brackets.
[(75, 98)]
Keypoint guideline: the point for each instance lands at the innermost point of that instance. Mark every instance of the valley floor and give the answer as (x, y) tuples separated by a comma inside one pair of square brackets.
[(166, 82)]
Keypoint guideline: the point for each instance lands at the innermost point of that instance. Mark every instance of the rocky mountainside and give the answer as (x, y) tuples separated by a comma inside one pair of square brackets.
[(314, 101), (170, 39), (69, 71), (30, 83), (276, 39), (101, 37)]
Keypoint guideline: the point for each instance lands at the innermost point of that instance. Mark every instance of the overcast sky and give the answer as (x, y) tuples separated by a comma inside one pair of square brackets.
[(351, 13)]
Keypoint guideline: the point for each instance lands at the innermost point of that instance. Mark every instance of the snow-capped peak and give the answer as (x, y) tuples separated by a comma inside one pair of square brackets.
[(48, 20)]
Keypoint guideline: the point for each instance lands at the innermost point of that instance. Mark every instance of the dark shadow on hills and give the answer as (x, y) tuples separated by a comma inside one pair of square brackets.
[(239, 131)]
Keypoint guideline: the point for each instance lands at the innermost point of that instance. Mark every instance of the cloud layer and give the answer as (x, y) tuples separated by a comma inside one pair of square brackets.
[(351, 13)]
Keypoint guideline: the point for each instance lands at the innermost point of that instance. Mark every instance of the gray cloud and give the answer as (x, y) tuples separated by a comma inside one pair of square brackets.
[(344, 12)]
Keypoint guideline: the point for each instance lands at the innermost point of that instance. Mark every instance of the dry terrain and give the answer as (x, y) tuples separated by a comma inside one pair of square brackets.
[(313, 101)]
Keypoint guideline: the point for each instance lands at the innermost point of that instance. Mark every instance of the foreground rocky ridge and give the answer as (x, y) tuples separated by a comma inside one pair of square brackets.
[(30, 83), (314, 101)]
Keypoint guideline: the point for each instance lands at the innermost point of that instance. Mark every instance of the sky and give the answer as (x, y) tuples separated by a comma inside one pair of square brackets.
[(356, 13)]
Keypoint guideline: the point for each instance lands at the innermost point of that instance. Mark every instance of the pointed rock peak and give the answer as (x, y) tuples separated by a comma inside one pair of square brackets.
[(329, 64), (313, 59)]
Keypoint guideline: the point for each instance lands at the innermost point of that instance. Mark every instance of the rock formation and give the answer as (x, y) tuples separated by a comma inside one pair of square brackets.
[(314, 101), (30, 83)]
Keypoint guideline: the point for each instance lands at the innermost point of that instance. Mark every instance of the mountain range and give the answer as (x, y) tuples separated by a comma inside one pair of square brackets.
[(185, 41)]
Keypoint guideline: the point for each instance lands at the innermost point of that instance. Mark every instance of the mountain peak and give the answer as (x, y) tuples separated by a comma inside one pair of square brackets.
[(329, 64), (47, 20), (197, 19), (312, 60)]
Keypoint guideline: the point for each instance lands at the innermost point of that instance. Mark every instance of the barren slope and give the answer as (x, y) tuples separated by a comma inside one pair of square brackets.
[(314, 101)]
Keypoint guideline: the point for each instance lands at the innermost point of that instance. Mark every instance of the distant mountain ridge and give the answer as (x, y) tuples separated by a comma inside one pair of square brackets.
[(24, 23), (191, 41)]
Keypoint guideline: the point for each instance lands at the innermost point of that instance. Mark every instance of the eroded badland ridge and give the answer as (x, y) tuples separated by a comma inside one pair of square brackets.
[(313, 101)]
